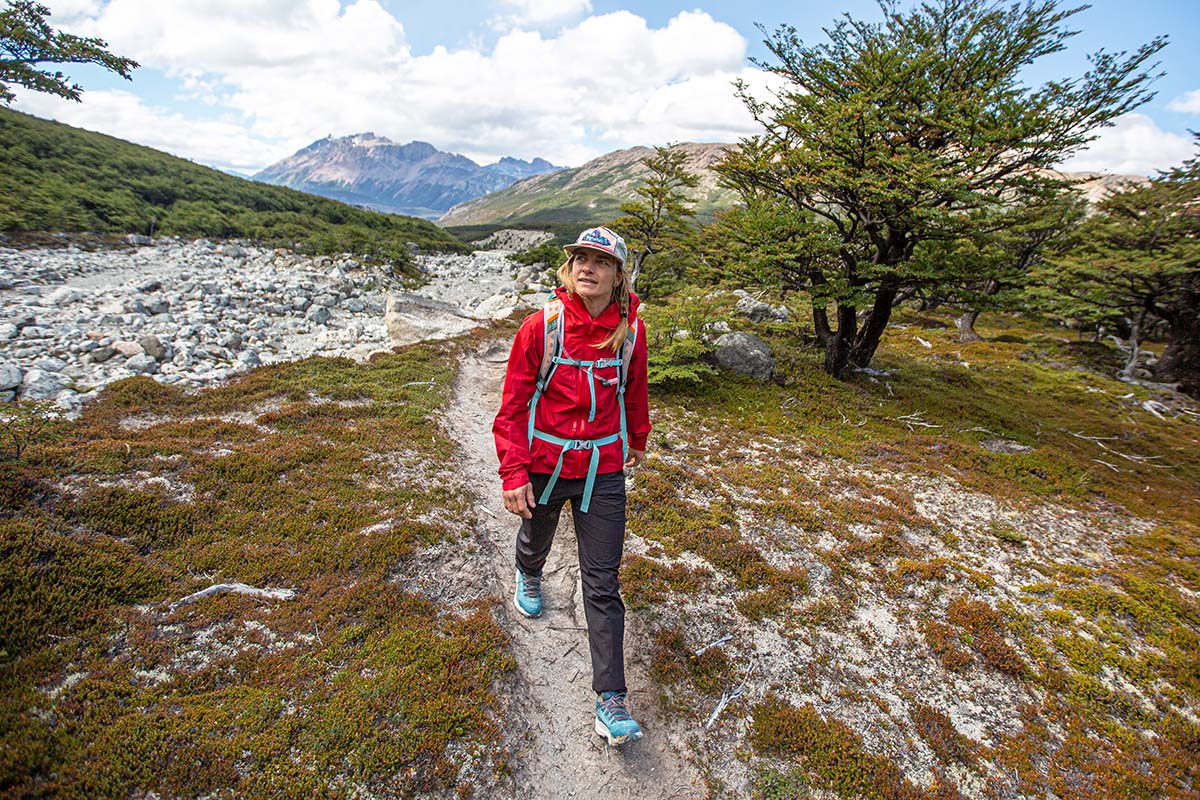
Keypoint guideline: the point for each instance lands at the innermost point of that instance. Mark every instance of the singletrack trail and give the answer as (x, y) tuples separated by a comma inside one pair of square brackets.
[(550, 730)]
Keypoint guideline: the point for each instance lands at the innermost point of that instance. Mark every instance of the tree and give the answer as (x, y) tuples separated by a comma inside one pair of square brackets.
[(27, 41), (660, 219), (1138, 258), (991, 269), (895, 133)]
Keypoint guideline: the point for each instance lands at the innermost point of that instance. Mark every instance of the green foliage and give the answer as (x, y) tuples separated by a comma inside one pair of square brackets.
[(832, 754), (23, 424), (1138, 259), (57, 178), (885, 175), (27, 40), (676, 352), (765, 242), (992, 268), (549, 253), (677, 362), (656, 225)]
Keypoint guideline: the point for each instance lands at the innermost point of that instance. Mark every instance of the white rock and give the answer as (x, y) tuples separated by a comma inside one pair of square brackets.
[(64, 295), (38, 384), (50, 364), (127, 348), (10, 375), (142, 364)]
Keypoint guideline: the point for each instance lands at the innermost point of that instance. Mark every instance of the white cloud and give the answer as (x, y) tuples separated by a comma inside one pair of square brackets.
[(226, 145), (1135, 145), (1188, 102), (284, 71), (540, 13), (73, 12)]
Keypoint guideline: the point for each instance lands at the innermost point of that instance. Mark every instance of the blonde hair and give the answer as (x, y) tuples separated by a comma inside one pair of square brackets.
[(620, 296)]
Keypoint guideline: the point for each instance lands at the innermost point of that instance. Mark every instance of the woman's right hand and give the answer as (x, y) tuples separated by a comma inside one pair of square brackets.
[(519, 501)]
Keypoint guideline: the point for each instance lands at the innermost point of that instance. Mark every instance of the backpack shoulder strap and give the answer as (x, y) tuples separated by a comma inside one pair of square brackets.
[(627, 353), (552, 337)]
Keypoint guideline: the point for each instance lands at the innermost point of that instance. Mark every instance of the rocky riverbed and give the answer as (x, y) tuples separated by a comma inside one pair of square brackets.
[(196, 312)]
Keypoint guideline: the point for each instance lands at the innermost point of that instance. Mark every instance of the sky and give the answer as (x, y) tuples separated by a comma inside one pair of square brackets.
[(240, 84)]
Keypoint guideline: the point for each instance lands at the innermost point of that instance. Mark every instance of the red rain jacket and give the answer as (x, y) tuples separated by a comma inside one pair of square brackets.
[(562, 410)]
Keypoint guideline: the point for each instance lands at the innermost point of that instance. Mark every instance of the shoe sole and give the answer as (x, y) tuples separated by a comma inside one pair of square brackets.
[(522, 611), (614, 741)]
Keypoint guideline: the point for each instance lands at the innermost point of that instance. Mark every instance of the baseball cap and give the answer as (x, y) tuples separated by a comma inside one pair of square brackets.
[(603, 240)]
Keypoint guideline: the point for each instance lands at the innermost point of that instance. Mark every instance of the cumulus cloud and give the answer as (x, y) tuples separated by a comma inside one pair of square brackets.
[(1135, 145), (540, 13), (224, 144), (286, 71), (1188, 102)]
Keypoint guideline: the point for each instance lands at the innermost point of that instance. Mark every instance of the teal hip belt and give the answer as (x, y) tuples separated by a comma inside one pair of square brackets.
[(575, 444)]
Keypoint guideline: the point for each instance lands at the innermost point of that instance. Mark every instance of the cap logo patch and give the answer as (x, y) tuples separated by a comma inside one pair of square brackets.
[(596, 237)]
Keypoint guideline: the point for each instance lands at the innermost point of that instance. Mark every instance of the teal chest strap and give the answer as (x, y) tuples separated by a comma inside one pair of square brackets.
[(581, 444)]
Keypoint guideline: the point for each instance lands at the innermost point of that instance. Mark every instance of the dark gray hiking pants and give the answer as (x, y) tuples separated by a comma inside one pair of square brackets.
[(601, 535)]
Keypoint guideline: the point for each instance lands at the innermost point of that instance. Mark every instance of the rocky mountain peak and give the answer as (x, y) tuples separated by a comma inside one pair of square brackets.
[(416, 178)]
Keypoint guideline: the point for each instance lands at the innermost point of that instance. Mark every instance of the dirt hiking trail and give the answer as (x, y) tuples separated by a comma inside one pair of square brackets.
[(558, 755)]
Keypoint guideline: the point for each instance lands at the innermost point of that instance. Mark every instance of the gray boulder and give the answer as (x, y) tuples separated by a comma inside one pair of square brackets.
[(745, 354), (102, 354), (41, 385), (318, 314), (411, 318), (326, 300), (10, 375), (50, 364), (153, 347), (65, 295), (142, 365), (758, 311)]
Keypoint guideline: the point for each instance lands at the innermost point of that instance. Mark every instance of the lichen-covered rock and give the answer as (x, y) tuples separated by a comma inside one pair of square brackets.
[(38, 384), (10, 375), (413, 318), (758, 311), (745, 354), (142, 365)]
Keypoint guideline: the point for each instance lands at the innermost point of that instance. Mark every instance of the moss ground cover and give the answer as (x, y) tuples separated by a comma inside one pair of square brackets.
[(972, 571), (314, 475)]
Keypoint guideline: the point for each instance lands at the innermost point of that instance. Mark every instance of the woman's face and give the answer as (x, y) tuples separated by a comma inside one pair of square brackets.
[(594, 274)]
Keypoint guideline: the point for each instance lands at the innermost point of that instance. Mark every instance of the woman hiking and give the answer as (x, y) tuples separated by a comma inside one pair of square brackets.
[(574, 415)]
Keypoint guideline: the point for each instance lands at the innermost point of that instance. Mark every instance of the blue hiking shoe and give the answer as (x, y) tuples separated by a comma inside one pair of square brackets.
[(528, 596), (613, 721)]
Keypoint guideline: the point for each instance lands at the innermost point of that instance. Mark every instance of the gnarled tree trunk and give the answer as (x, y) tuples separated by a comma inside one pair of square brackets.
[(1180, 362), (966, 327)]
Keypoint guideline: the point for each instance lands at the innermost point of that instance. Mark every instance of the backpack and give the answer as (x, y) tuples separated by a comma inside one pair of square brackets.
[(553, 328)]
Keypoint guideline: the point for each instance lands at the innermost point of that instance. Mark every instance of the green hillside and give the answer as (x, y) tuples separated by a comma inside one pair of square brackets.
[(591, 193), (57, 178)]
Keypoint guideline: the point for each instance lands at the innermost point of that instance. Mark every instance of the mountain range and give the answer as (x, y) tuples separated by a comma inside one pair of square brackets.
[(415, 178), (593, 192)]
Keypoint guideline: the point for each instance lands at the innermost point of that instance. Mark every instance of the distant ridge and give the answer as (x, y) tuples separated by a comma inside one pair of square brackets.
[(593, 192), (415, 178)]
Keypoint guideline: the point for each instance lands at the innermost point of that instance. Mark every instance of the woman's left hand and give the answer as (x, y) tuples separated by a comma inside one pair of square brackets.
[(635, 459)]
